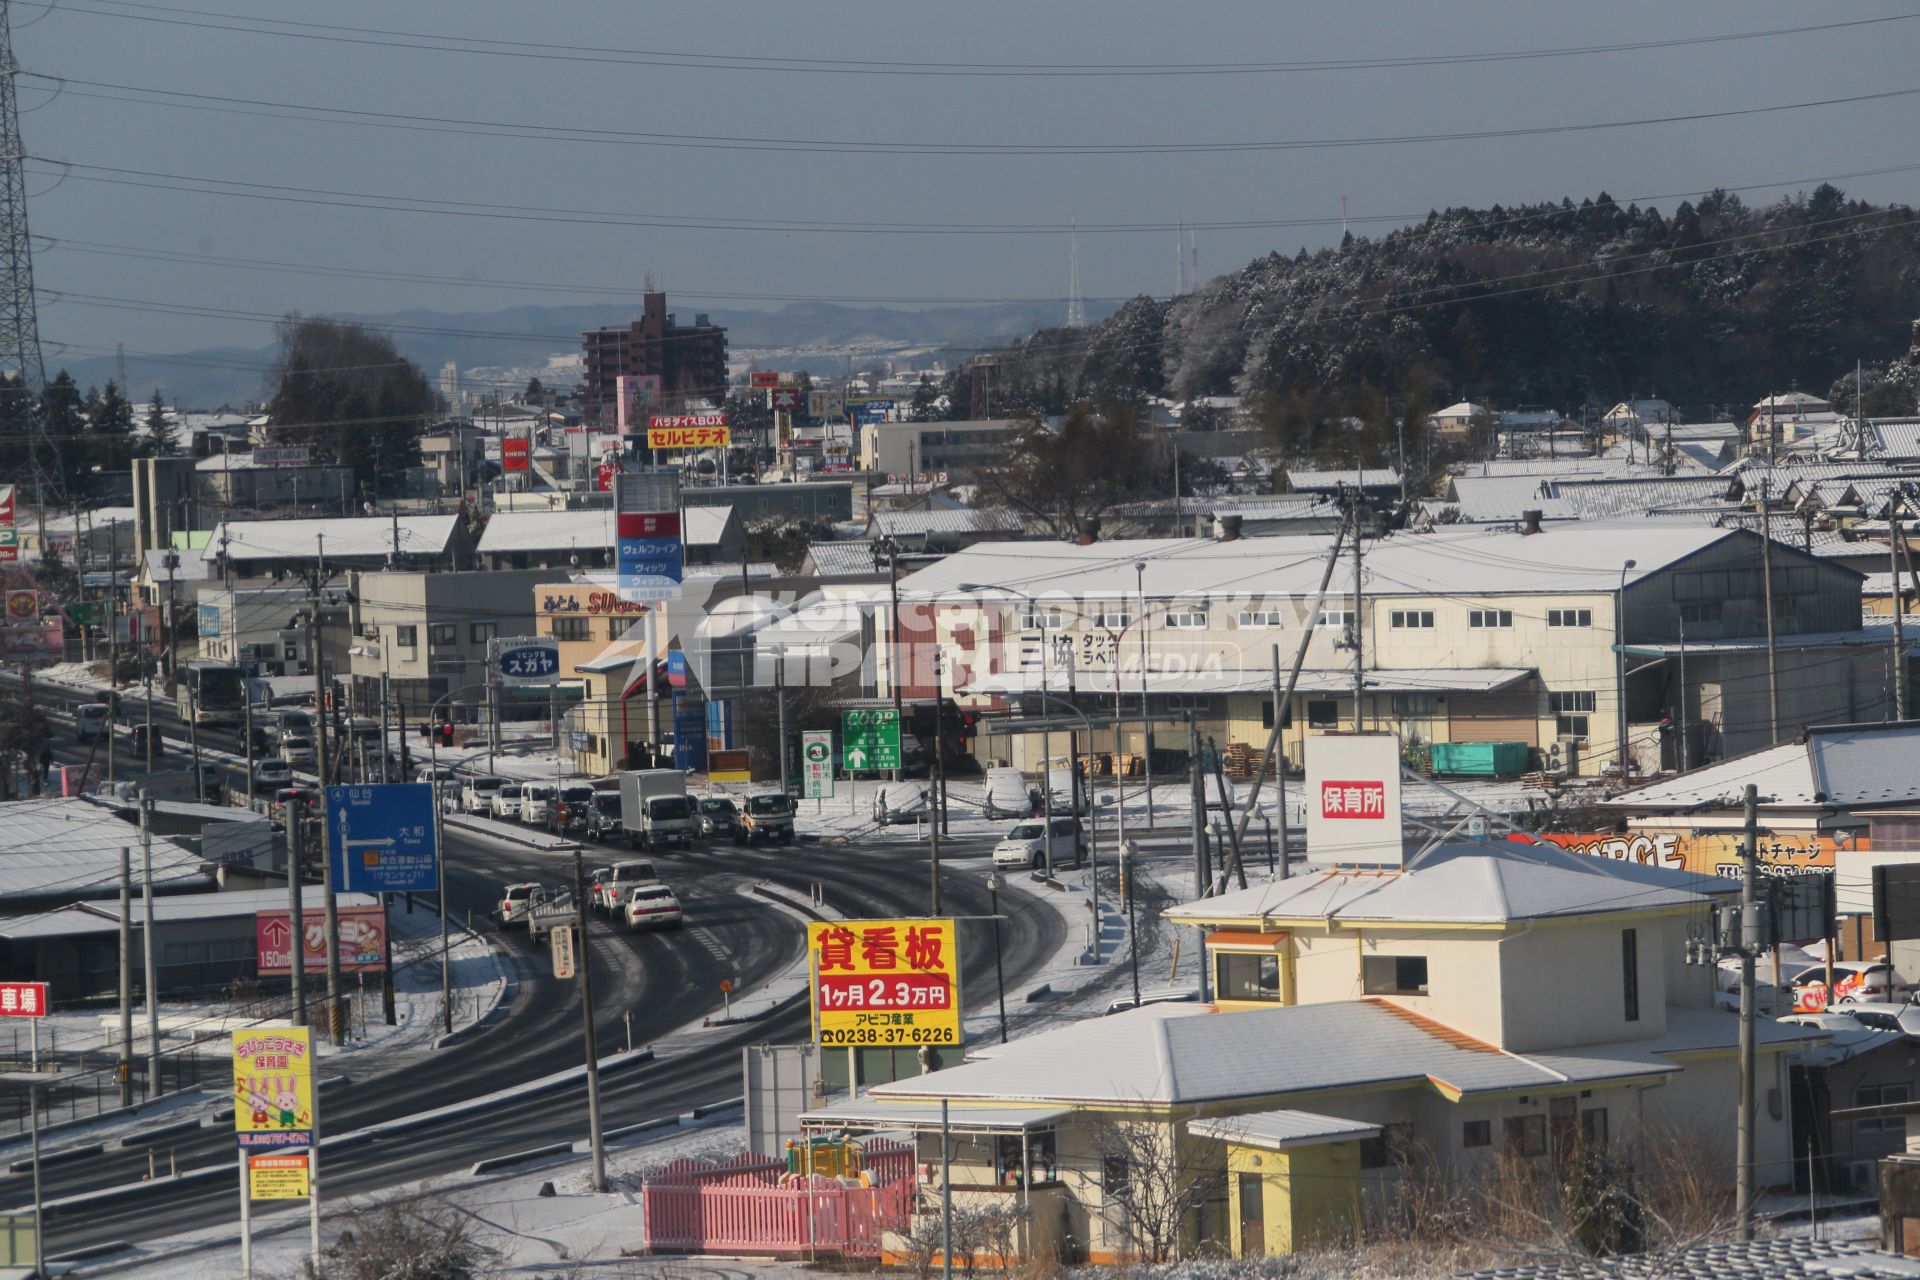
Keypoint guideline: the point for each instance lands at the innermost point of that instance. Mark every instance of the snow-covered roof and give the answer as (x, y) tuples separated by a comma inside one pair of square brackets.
[(342, 536), (510, 531), (1894, 437), (1495, 882), (66, 522), (71, 847), (1845, 765), (952, 521), (104, 916), (1463, 409), (1281, 1130), (1433, 680), (1301, 480), (1790, 400), (832, 559), (190, 568)]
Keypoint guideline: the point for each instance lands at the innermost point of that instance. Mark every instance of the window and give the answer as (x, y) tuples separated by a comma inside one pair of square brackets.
[(1593, 1126), (481, 632), (1247, 975), (1201, 703), (1266, 715), (1700, 612), (1569, 617), (1188, 617), (1260, 618), (440, 633), (1116, 619), (1411, 619), (1489, 619), (1571, 710), (1114, 1176), (1881, 1095), (1394, 975), (1323, 713), (1525, 1135), (1389, 1147), (1334, 618), (1476, 1133), (1630, 971), (1032, 619), (1415, 706), (573, 628), (406, 637)]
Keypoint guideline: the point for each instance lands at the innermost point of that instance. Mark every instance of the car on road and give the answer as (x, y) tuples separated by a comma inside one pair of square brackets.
[(535, 799), (517, 900), (476, 794), (90, 719), (1883, 1015), (1034, 842), (897, 802), (506, 801), (621, 881), (768, 817), (272, 772), (652, 906), (1006, 794), (603, 816), (719, 816), (595, 879), (137, 738), (568, 810), (1854, 981), (296, 749)]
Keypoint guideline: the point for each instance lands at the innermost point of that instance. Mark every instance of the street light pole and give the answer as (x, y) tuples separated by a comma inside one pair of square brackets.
[(595, 1139), (1146, 714), (440, 855), (1620, 666), (999, 974)]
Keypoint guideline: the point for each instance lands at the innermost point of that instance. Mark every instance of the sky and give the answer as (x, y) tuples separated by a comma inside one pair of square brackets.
[(603, 80)]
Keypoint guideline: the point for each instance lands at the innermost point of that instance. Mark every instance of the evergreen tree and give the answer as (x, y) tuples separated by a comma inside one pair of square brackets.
[(346, 391), (110, 430), (160, 441), (536, 392), (60, 416)]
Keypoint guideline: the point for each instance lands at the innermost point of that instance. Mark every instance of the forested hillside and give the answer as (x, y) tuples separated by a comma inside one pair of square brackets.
[(1711, 304)]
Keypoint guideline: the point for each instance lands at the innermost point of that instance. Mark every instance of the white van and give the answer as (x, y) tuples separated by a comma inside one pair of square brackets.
[(89, 718), (534, 799), (1027, 844), (476, 794), (1006, 794)]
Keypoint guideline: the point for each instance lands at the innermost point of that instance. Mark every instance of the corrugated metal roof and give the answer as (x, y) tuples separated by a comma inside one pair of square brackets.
[(959, 520), (510, 531), (68, 846), (1281, 1130), (1841, 765), (1371, 477), (838, 558), (342, 536), (104, 917)]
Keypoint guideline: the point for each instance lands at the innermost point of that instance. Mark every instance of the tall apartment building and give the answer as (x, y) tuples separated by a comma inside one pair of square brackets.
[(690, 360)]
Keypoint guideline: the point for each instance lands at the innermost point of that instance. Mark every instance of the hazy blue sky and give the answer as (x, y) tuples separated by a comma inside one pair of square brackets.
[(117, 43)]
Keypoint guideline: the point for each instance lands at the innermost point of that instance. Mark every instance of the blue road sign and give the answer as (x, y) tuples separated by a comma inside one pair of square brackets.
[(380, 838), (532, 662)]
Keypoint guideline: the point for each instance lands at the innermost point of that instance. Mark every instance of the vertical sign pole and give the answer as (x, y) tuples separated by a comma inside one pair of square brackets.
[(313, 1172), (246, 1220), (39, 1208)]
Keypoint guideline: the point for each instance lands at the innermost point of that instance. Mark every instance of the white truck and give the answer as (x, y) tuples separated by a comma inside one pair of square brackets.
[(655, 809)]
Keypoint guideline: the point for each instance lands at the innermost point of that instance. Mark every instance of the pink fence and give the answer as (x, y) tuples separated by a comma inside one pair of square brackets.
[(739, 1207)]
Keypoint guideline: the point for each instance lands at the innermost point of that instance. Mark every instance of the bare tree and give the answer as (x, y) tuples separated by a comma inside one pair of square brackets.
[(1060, 480), (1153, 1183), (419, 1238)]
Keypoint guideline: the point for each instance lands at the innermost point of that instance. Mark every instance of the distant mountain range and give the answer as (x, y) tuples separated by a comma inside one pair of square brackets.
[(820, 334)]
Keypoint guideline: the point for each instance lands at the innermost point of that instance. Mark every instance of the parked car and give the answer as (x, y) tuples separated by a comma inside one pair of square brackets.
[(603, 816), (535, 799), (297, 749), (621, 881), (516, 900), (506, 801), (1028, 844), (1854, 981), (652, 906), (897, 802), (476, 794), (90, 719), (570, 806), (1882, 1015), (1006, 794), (272, 772), (595, 879), (719, 816)]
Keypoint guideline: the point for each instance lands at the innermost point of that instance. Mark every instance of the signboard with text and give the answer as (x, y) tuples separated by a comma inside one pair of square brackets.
[(647, 526), (363, 941), (273, 1086), (884, 982), (380, 838), (1353, 798), (634, 397), (23, 999), (280, 1175), (713, 437), (281, 455), (871, 738), (816, 764), (516, 453), (524, 660)]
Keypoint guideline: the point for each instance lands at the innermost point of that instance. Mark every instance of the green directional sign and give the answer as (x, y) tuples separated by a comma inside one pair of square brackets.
[(872, 739)]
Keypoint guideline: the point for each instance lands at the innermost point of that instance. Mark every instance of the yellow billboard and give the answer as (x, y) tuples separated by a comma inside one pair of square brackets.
[(273, 1086), (884, 982), (1707, 853), (689, 437), (279, 1176)]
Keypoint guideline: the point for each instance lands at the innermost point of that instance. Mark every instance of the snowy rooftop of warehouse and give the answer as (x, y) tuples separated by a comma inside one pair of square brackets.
[(510, 531), (341, 536), (1844, 765), (70, 847)]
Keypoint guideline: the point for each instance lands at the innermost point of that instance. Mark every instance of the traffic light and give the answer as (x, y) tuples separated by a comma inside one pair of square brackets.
[(969, 724)]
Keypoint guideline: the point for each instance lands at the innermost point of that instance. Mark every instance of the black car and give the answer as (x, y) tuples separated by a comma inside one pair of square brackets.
[(603, 815)]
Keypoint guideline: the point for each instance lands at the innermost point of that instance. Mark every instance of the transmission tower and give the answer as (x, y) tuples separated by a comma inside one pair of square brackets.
[(1076, 305), (19, 323)]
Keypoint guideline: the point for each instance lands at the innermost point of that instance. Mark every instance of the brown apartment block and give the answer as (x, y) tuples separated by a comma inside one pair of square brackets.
[(689, 359)]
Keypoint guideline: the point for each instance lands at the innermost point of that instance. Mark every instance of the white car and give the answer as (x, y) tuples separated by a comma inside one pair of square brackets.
[(1006, 794), (476, 794), (620, 882), (1028, 844), (89, 718), (535, 797), (295, 749), (272, 772), (652, 906), (506, 802), (517, 900)]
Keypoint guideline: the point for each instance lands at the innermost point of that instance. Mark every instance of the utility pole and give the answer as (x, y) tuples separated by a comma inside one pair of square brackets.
[(126, 976), (336, 1021), (1146, 660), (147, 945), (780, 697), (892, 549), (1766, 587), (1202, 872), (1749, 948), (1279, 760), (1896, 541), (1359, 621), (594, 1137), (296, 823)]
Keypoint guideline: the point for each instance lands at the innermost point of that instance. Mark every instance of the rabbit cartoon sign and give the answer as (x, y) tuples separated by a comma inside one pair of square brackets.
[(273, 1086)]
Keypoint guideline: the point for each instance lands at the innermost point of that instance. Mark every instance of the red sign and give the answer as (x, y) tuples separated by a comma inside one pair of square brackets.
[(647, 524), (363, 941), (23, 999), (763, 381), (682, 421), (603, 476), (1353, 799), (516, 453)]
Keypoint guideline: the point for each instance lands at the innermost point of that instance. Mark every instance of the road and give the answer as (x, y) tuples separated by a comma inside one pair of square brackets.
[(666, 981)]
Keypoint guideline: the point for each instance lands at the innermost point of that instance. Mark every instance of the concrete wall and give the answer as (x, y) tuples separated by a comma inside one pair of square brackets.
[(1563, 984)]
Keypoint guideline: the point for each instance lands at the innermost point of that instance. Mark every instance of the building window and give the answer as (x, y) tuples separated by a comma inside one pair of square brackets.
[(1593, 1126), (1189, 617), (1394, 975), (1041, 620), (1198, 703), (1569, 617), (1415, 706), (1630, 971), (1323, 713), (1115, 1176), (1490, 619), (1411, 619), (406, 637), (481, 632), (1476, 1133), (1881, 1095), (1116, 619), (1571, 711), (573, 628), (1266, 715), (1525, 1136), (442, 633), (1260, 618), (1334, 618), (1247, 975), (1700, 612), (1387, 1148)]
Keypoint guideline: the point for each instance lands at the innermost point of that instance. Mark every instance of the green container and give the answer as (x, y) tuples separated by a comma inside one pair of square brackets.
[(1480, 759)]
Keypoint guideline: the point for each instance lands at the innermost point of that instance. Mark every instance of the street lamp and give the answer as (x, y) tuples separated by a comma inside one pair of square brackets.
[(1146, 716), (1620, 666), (999, 975), (439, 852)]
